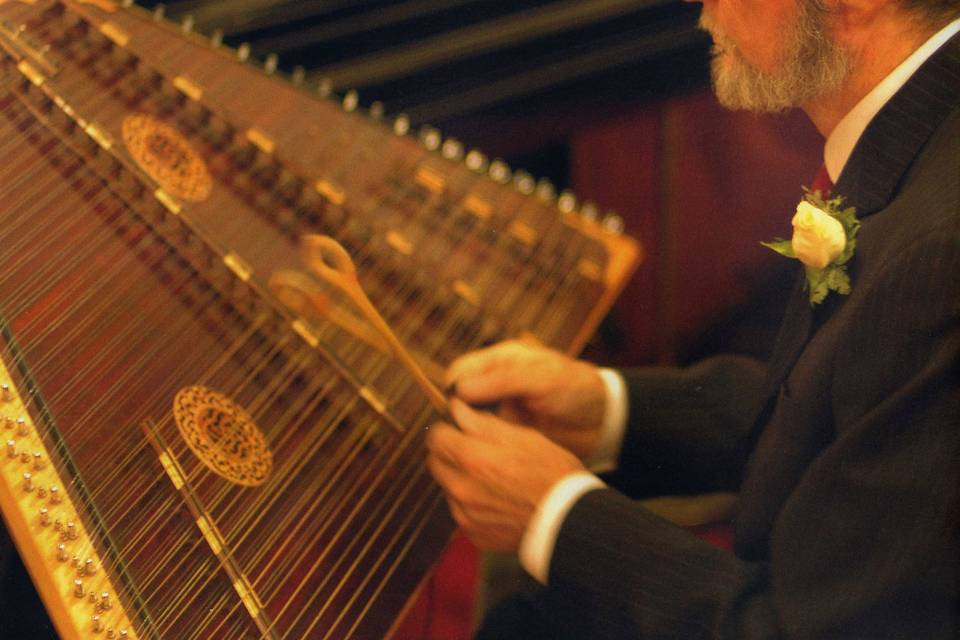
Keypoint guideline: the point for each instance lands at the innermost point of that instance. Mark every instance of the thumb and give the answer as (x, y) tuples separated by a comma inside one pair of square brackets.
[(479, 424)]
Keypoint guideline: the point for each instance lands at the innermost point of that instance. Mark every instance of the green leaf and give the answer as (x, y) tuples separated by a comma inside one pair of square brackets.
[(838, 280), (783, 247), (817, 282)]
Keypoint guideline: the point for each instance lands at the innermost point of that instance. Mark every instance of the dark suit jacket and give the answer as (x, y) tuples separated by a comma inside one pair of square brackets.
[(850, 479)]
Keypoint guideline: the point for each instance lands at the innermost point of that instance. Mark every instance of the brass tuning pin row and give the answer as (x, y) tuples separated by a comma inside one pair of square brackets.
[(432, 139), (52, 519)]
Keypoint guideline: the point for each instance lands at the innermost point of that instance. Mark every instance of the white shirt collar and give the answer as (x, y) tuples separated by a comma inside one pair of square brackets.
[(845, 135)]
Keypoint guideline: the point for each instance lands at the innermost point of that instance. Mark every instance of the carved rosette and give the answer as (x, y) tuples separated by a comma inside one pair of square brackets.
[(168, 157), (222, 435)]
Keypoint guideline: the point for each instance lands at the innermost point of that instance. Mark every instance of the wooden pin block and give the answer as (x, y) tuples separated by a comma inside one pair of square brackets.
[(367, 394), (168, 465), (115, 34), (188, 87), (466, 292), (589, 270), (167, 201), (30, 72), (300, 326), (478, 206), (522, 232), (99, 136), (104, 5), (429, 178), (207, 531), (247, 598), (260, 140), (396, 240), (331, 192), (238, 266)]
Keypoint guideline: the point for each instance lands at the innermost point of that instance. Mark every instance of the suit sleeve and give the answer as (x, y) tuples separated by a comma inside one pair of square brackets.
[(687, 428), (865, 545)]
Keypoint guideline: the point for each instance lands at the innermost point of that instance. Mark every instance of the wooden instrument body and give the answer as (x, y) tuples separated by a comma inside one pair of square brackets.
[(235, 467)]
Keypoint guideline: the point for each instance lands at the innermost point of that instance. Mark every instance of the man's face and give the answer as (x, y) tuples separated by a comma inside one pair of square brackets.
[(770, 55)]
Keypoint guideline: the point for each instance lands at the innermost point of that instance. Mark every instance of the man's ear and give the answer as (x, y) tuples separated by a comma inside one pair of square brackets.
[(860, 13), (855, 21)]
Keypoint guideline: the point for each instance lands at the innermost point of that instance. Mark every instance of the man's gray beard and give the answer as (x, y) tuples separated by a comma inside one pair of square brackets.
[(813, 65)]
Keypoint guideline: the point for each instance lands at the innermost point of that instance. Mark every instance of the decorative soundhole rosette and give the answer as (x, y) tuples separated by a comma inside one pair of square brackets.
[(223, 435), (167, 157)]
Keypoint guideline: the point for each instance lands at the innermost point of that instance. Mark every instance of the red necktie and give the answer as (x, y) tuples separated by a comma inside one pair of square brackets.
[(822, 182)]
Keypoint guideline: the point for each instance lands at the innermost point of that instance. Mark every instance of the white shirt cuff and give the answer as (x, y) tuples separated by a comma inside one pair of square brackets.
[(614, 424), (536, 546)]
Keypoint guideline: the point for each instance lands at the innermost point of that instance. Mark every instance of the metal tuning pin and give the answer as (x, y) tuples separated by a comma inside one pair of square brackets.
[(8, 422), (22, 427), (299, 75), (105, 601), (270, 64), (524, 182), (243, 52), (123, 634), (5, 394), (54, 496), (61, 552), (431, 138), (44, 517), (27, 482), (11, 449), (499, 171), (37, 461), (613, 223), (97, 625), (351, 100), (567, 202), (159, 11), (377, 110), (71, 532), (452, 149), (78, 588), (88, 567), (476, 161), (589, 211), (545, 190), (401, 125), (325, 87), (187, 25), (216, 38), (111, 633)]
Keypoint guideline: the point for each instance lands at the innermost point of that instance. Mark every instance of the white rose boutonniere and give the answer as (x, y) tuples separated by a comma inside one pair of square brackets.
[(824, 238)]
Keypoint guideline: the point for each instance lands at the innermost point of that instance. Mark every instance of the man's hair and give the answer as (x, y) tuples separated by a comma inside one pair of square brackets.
[(935, 13)]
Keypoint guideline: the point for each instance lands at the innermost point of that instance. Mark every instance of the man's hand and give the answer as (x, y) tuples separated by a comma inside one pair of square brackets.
[(562, 397), (494, 474)]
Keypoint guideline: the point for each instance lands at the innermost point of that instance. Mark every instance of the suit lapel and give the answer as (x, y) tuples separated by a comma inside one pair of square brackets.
[(869, 181), (898, 132), (793, 336)]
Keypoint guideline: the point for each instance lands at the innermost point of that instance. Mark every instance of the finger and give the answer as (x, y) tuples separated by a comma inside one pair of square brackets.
[(442, 471), (448, 443), (478, 362), (473, 423), (484, 428)]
